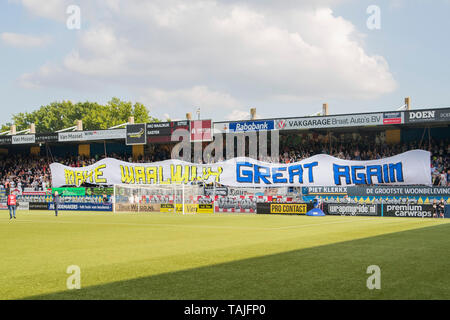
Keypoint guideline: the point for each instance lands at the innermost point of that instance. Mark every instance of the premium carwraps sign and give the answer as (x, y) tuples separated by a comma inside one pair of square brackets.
[(412, 167), (408, 210)]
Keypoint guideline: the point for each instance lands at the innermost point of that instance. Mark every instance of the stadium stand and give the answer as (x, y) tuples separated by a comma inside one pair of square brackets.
[(33, 172)]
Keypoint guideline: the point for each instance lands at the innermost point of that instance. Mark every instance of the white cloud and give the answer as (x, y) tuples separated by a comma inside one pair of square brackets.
[(23, 40), (238, 115), (225, 55), (51, 9), (188, 99)]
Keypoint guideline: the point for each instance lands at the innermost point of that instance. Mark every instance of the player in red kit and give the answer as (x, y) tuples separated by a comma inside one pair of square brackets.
[(12, 205)]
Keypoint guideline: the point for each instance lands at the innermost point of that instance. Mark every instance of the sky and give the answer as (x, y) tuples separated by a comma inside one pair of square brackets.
[(285, 58)]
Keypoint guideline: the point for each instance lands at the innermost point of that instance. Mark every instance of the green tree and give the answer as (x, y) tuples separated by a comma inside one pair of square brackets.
[(60, 115), (6, 127)]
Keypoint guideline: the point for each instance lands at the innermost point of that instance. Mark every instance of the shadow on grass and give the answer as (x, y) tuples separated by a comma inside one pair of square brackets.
[(414, 265)]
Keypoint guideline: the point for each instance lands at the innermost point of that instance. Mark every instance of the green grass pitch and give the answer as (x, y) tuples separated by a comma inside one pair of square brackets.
[(222, 256)]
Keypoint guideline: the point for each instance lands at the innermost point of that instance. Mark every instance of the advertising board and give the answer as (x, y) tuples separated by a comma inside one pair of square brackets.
[(352, 209), (283, 208)]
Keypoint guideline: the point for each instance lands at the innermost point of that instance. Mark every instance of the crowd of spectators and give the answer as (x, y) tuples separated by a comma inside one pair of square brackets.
[(33, 172), (17, 171)]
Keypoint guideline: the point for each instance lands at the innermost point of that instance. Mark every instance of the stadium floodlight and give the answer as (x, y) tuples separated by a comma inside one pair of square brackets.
[(67, 129)]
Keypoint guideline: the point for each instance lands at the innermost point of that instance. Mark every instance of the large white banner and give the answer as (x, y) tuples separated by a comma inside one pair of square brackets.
[(409, 168)]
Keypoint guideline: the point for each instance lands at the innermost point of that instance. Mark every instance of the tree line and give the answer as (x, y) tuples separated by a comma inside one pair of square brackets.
[(59, 115)]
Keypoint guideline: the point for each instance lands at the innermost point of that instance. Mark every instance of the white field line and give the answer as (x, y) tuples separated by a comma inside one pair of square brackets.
[(375, 220), (138, 224)]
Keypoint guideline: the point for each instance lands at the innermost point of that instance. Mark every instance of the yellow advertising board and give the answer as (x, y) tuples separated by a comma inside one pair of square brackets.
[(188, 208), (289, 208), (205, 208), (167, 207)]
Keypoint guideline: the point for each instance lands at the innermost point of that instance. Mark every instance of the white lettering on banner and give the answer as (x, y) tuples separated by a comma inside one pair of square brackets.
[(409, 210), (409, 168), (252, 127), (422, 115), (332, 190)]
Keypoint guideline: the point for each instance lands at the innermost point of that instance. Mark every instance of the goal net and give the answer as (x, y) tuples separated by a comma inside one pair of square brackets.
[(178, 198)]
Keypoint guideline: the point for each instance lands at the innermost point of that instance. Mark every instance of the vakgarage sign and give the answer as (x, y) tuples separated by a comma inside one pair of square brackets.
[(351, 120)]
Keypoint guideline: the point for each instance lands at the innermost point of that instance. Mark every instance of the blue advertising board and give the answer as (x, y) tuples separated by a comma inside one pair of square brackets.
[(74, 206), (263, 125)]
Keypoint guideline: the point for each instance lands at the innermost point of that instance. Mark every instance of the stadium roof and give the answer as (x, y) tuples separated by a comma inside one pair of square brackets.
[(375, 120)]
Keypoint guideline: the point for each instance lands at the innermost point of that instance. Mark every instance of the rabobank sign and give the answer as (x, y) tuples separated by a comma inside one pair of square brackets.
[(245, 126)]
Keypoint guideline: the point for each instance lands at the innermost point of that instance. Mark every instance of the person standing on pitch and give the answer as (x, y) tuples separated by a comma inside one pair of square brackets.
[(441, 207), (12, 204), (435, 208), (56, 202)]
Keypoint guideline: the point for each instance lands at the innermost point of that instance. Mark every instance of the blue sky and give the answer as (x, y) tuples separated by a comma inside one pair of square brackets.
[(281, 57)]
